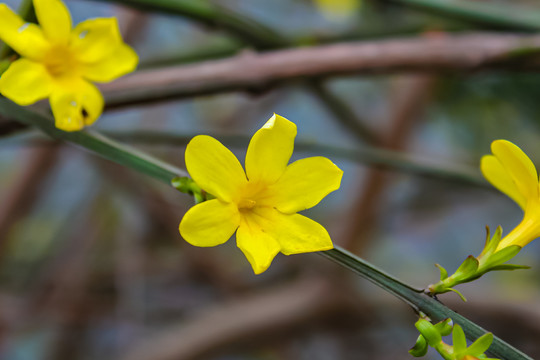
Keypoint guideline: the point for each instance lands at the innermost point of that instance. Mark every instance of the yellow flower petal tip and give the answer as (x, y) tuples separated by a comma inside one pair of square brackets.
[(511, 171), (60, 62), (261, 203)]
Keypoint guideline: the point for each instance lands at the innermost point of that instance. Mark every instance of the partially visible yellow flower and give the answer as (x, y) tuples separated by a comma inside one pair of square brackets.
[(514, 174), (260, 204), (60, 63), (338, 9)]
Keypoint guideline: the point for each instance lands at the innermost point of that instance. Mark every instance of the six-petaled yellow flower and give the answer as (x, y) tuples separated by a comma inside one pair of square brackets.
[(60, 63), (261, 203), (514, 174)]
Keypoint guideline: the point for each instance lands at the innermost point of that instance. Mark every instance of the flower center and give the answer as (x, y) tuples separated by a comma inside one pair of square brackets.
[(60, 61), (246, 204)]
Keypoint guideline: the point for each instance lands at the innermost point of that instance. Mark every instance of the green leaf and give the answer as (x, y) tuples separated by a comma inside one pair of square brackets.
[(420, 348)]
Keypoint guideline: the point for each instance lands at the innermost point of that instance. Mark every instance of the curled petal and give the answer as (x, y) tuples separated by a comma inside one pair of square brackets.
[(258, 246), (214, 168), (25, 38), (26, 82), (55, 20), (121, 61), (305, 183), (77, 108), (519, 167), (270, 149), (209, 223), (499, 177)]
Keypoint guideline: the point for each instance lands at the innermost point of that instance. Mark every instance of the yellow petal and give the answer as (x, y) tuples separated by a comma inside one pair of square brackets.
[(296, 233), (257, 245), (499, 177), (214, 168), (270, 149), (519, 167), (55, 20), (26, 82), (121, 61), (304, 184), (209, 223), (25, 38), (75, 108)]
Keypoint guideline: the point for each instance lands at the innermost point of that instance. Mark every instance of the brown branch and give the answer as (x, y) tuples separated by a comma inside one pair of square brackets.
[(256, 72)]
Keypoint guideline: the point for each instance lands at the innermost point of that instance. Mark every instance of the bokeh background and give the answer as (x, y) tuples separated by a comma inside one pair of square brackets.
[(91, 262)]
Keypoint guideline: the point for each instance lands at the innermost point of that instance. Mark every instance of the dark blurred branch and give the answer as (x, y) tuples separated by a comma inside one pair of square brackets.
[(484, 13), (244, 321), (372, 156), (250, 31), (21, 197), (412, 97), (258, 72)]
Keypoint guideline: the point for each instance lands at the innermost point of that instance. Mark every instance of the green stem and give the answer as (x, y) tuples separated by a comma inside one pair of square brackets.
[(365, 154), (482, 13), (93, 141), (146, 164), (420, 301)]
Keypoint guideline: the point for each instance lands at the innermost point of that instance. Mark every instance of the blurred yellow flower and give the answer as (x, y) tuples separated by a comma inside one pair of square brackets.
[(514, 174), (59, 62), (338, 9), (260, 204)]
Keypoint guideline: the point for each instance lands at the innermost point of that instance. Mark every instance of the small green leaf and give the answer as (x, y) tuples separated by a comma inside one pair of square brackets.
[(420, 348)]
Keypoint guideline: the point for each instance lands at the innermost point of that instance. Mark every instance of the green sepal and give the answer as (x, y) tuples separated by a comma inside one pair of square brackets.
[(500, 257), (466, 269), (188, 186), (444, 272), (429, 332), (444, 327), (491, 244), (459, 293), (509, 267), (420, 348)]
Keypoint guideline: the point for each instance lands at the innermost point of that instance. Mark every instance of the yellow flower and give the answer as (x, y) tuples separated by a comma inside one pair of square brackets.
[(60, 63), (337, 9), (260, 204), (514, 174)]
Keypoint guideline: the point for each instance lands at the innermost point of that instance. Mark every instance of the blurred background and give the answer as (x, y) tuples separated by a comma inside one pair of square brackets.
[(91, 262)]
